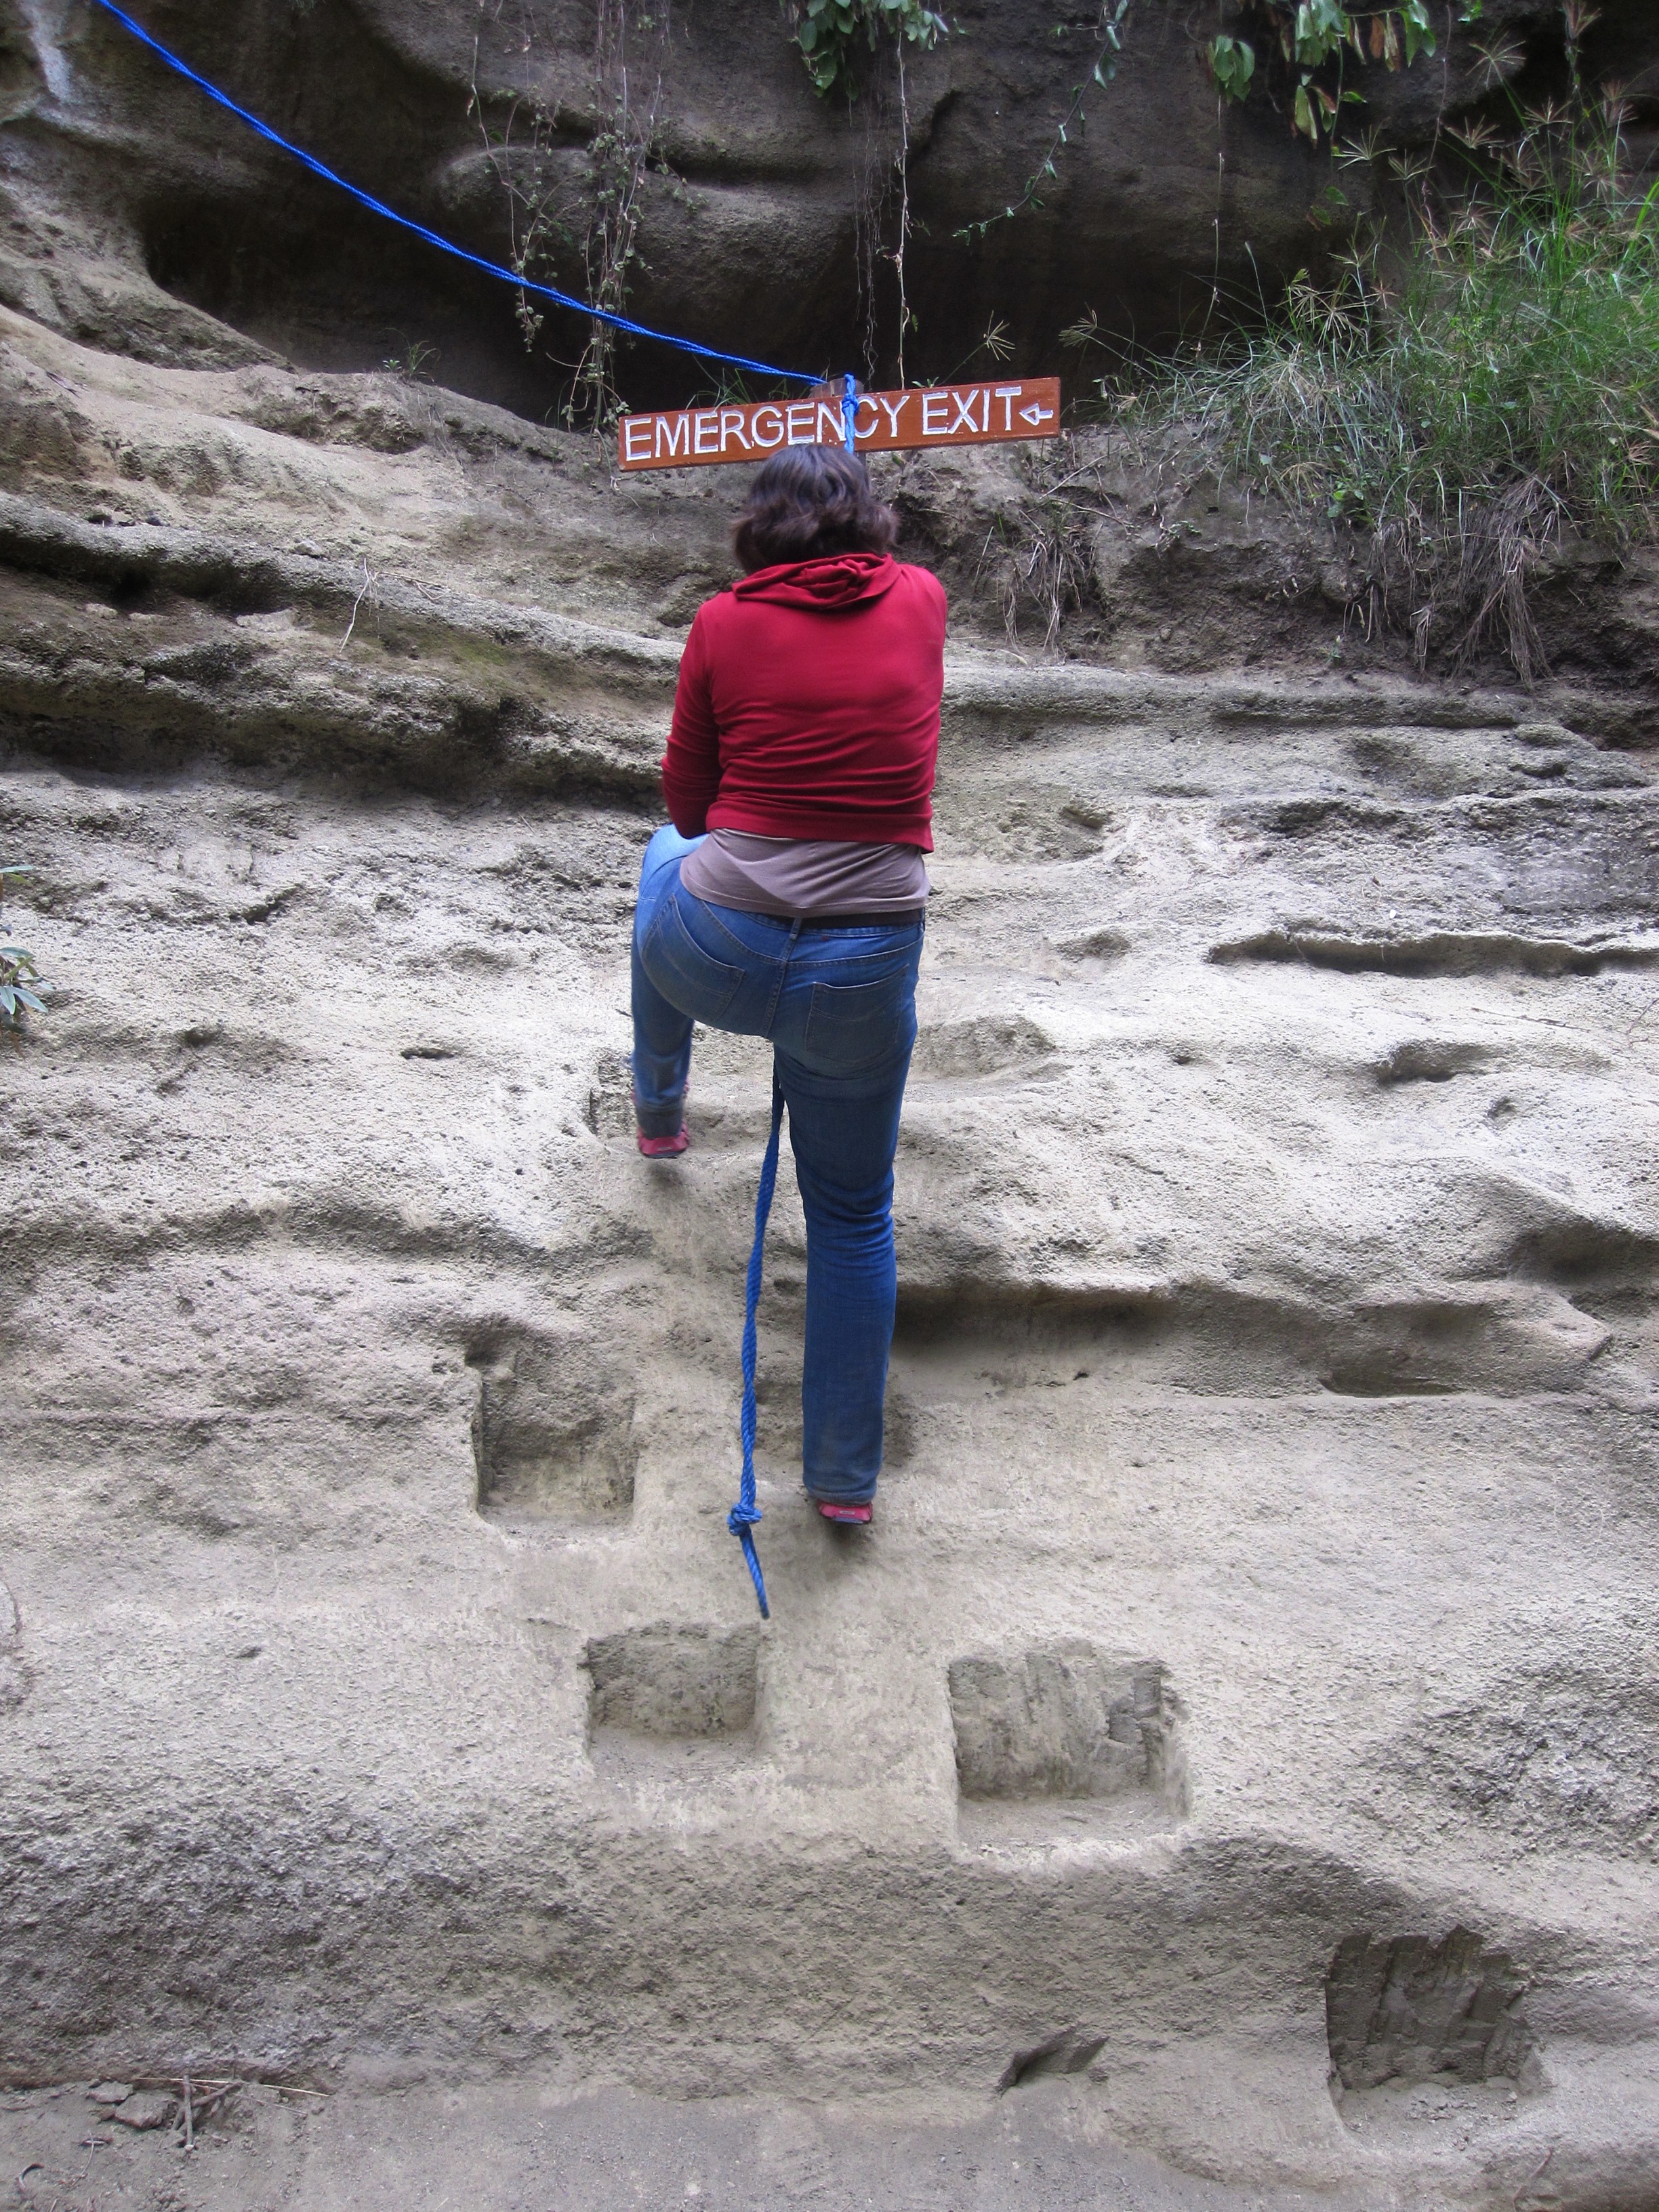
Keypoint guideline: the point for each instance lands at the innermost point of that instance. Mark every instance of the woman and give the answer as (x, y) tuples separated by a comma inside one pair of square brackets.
[(786, 901)]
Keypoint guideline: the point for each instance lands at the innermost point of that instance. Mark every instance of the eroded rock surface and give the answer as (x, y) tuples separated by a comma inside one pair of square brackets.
[(1275, 1381), (138, 216)]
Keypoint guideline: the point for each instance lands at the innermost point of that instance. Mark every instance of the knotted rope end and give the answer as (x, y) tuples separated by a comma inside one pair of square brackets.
[(751, 1560), (740, 1520)]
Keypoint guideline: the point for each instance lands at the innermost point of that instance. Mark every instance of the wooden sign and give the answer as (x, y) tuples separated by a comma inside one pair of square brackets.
[(885, 423)]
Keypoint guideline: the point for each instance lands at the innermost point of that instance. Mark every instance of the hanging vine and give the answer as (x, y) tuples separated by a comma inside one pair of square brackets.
[(882, 219), (1108, 44), (560, 214), (906, 321)]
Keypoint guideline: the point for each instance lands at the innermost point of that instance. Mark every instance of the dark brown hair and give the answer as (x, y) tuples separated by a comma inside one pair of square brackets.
[(808, 501)]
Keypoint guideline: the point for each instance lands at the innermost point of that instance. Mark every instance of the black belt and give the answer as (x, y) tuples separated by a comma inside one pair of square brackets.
[(859, 920)]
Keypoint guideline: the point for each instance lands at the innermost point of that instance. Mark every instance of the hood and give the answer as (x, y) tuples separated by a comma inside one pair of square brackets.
[(832, 581)]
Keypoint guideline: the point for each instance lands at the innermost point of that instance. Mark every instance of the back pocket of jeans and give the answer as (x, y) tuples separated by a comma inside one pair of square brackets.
[(687, 976), (854, 1026)]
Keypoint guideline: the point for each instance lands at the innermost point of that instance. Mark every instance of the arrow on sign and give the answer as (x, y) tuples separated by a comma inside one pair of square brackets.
[(1036, 414)]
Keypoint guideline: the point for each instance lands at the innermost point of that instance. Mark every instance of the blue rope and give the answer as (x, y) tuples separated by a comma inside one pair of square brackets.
[(744, 1515), (444, 245)]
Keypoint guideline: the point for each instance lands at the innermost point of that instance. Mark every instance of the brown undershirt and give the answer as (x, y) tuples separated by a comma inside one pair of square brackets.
[(815, 876)]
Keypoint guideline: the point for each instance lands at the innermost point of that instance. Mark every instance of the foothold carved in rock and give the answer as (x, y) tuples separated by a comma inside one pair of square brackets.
[(553, 1435), (668, 1681), (1065, 1722), (14, 1680), (1074, 2051), (1412, 2008)]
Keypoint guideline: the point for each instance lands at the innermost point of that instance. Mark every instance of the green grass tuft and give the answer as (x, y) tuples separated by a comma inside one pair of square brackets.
[(1495, 394)]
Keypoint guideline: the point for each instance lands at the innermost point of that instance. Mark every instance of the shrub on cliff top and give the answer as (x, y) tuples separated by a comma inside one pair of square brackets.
[(1497, 392)]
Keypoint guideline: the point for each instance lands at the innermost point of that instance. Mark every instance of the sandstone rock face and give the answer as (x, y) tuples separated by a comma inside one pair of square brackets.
[(132, 204), (1240, 1721)]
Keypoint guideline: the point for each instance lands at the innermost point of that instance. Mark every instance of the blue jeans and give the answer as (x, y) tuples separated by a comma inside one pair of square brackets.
[(839, 1006)]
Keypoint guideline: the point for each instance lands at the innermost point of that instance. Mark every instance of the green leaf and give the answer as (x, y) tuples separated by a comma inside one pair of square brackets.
[(1419, 33), (1321, 27), (29, 1000), (1232, 64)]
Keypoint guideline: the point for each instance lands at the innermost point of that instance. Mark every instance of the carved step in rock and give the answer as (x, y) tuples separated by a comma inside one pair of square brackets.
[(553, 1435), (14, 1682), (1066, 1722), (1437, 952), (1074, 2051), (982, 1045), (672, 1680), (1101, 944), (1430, 1059), (1412, 2008)]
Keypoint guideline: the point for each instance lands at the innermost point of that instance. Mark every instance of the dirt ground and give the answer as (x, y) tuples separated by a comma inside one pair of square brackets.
[(525, 2149)]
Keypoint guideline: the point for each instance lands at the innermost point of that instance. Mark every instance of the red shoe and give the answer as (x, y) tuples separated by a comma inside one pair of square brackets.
[(660, 1148), (663, 1148), (857, 1517)]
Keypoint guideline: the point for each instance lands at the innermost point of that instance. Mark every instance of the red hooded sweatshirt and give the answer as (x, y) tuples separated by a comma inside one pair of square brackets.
[(808, 704)]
